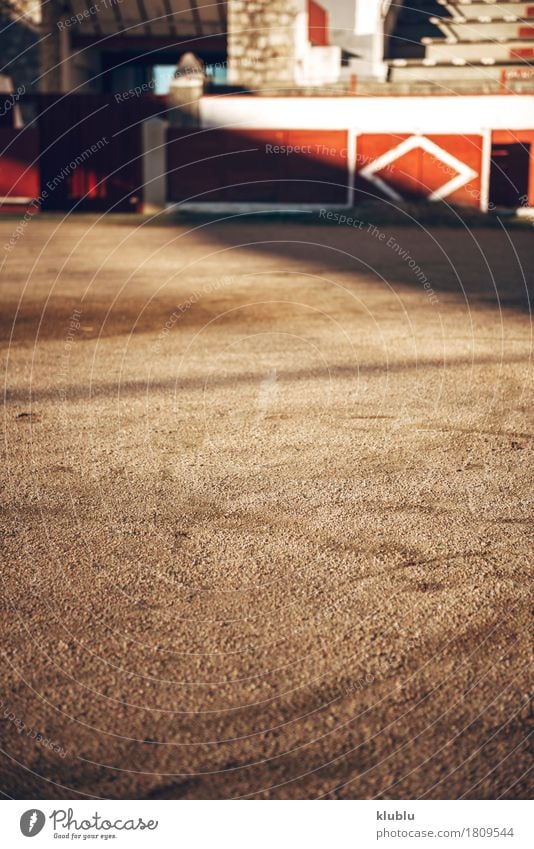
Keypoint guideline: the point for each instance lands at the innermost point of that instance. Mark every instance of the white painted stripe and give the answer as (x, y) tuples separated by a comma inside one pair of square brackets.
[(429, 115), (15, 200), (464, 173)]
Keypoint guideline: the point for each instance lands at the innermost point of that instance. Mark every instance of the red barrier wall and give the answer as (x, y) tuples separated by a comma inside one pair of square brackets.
[(433, 167), (276, 166), (19, 167), (91, 151)]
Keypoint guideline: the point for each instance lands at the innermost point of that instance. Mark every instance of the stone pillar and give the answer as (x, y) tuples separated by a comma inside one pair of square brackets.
[(186, 91), (53, 46), (267, 42)]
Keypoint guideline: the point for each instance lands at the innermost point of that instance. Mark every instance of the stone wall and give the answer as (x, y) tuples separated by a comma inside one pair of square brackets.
[(31, 9), (19, 37), (267, 42)]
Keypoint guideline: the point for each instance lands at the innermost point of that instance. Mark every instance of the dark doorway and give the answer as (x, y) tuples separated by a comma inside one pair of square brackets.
[(509, 174), (91, 150)]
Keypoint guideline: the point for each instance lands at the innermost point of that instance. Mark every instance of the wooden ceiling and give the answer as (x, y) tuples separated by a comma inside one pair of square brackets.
[(165, 19)]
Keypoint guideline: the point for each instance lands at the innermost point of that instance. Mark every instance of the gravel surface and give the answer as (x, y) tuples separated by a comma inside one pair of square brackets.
[(266, 514)]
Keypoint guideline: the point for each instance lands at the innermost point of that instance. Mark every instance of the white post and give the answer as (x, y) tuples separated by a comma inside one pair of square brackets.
[(154, 132), (486, 170)]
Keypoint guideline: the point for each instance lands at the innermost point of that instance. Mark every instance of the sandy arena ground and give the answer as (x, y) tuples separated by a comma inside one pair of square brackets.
[(266, 510)]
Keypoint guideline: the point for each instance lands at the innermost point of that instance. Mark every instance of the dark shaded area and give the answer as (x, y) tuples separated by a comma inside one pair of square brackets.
[(129, 388), (91, 151), (485, 267), (509, 176), (257, 166), (412, 25)]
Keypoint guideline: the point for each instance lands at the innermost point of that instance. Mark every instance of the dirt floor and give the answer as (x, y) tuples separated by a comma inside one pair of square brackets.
[(266, 509)]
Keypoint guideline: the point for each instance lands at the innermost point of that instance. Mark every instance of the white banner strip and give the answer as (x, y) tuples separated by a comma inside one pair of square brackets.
[(270, 825)]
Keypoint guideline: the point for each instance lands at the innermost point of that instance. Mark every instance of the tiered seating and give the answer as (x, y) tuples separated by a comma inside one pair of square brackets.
[(461, 41), (487, 11), (414, 24)]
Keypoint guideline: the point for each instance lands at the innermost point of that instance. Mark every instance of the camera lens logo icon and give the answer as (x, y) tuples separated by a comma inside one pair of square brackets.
[(32, 822)]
